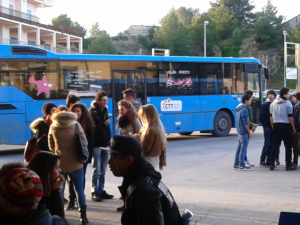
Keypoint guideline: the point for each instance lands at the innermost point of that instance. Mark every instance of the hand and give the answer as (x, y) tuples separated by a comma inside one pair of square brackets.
[(294, 131), (250, 135), (107, 122), (253, 128), (60, 180)]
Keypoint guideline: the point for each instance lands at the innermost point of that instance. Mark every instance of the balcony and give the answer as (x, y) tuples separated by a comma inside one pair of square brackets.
[(42, 3), (34, 20), (59, 48)]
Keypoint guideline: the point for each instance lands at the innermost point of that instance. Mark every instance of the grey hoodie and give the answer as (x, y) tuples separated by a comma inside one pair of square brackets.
[(281, 110)]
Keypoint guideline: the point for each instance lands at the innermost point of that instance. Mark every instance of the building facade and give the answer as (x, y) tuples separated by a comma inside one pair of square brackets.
[(19, 24)]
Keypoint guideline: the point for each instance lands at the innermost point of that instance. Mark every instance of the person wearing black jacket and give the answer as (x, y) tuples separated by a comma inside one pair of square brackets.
[(102, 135), (147, 199), (265, 121)]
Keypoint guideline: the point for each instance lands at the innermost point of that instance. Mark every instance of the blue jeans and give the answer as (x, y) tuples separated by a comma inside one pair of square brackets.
[(266, 151), (77, 178), (241, 151), (99, 162)]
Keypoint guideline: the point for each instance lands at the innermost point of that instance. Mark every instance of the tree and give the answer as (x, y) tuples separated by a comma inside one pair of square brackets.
[(143, 41), (197, 33), (102, 45), (173, 35), (295, 34), (62, 19), (240, 9), (223, 19), (186, 15), (95, 30), (268, 27), (236, 37)]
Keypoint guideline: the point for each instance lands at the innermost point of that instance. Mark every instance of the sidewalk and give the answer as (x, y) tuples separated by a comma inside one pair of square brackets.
[(11, 148)]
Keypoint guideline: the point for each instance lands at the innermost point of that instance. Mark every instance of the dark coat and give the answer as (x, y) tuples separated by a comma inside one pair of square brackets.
[(265, 115), (39, 128), (90, 138), (147, 200), (102, 133), (54, 204)]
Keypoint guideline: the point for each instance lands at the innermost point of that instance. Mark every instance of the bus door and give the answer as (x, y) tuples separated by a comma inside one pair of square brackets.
[(123, 79)]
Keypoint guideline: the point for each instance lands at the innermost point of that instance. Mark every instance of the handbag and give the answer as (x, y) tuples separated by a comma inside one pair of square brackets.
[(82, 149), (32, 147)]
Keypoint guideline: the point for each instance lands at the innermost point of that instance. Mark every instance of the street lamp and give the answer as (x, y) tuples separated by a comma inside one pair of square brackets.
[(285, 57), (205, 23)]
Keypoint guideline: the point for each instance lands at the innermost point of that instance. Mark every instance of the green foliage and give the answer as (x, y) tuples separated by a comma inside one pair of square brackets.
[(268, 28), (173, 35), (223, 20), (102, 45), (152, 32), (86, 43), (295, 34), (225, 50), (95, 30), (236, 37), (197, 33), (143, 41), (240, 9), (121, 37), (62, 19), (186, 15)]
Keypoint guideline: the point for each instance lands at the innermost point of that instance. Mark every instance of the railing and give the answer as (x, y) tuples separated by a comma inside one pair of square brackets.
[(29, 19), (59, 49), (49, 2)]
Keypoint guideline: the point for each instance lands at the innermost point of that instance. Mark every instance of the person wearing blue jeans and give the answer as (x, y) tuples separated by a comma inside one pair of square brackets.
[(102, 137), (266, 124), (244, 133)]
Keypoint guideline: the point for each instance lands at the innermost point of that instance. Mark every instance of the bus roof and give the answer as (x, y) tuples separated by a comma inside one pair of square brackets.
[(6, 52)]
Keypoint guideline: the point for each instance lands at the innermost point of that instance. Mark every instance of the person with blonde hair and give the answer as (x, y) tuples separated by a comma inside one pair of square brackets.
[(128, 121), (152, 136)]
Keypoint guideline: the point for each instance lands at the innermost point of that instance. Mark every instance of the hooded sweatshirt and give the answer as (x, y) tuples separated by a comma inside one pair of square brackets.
[(242, 119), (265, 114), (280, 110)]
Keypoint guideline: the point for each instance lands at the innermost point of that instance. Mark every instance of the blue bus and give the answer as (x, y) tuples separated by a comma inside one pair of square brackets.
[(190, 93)]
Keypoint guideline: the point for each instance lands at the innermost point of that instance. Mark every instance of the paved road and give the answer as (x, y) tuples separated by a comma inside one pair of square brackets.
[(200, 175)]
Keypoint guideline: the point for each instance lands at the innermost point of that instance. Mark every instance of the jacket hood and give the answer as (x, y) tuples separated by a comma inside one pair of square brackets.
[(35, 124), (63, 119), (141, 168), (268, 100), (240, 107), (297, 105), (280, 100), (94, 105)]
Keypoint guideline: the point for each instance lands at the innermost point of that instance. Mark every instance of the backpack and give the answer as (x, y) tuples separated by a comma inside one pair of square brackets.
[(296, 117), (32, 147)]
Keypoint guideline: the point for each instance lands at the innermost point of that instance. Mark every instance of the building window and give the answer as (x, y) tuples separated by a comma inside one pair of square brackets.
[(28, 14), (11, 9), (14, 40), (33, 43)]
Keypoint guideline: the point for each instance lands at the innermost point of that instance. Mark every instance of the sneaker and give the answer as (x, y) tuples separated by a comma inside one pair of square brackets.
[(235, 166), (291, 167), (249, 163), (104, 195), (277, 162), (65, 201), (244, 168), (121, 209), (96, 198), (271, 167), (263, 164)]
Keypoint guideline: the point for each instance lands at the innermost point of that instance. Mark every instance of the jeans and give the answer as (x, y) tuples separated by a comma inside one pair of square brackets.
[(99, 162), (77, 178), (282, 131), (72, 194), (241, 151), (266, 151)]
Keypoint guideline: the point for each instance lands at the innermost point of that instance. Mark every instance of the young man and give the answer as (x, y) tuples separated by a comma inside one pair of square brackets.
[(102, 137), (296, 117), (265, 121), (130, 95), (244, 133), (72, 99), (282, 122), (147, 198)]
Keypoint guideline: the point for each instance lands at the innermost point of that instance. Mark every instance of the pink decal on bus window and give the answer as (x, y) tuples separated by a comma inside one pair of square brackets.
[(169, 81), (42, 85), (188, 82)]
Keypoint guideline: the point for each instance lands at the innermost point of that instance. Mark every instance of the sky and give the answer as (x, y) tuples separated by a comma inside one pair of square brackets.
[(116, 16)]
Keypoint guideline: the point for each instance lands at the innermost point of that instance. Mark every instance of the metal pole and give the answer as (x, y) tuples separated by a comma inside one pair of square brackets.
[(267, 67), (205, 23), (297, 63), (285, 58)]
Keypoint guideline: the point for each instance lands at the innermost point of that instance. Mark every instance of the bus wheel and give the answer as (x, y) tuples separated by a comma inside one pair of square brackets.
[(186, 133), (222, 124)]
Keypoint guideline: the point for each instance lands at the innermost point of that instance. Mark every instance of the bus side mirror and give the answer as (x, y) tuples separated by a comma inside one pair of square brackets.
[(266, 72)]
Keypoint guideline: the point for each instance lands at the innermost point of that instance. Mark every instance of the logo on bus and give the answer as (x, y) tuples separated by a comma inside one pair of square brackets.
[(171, 105)]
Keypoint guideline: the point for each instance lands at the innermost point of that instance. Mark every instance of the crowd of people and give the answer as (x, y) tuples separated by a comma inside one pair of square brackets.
[(280, 119), (135, 154)]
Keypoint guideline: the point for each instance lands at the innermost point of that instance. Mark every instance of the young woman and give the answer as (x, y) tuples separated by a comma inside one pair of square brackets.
[(128, 121), (40, 126), (85, 120), (61, 140), (152, 136), (46, 166)]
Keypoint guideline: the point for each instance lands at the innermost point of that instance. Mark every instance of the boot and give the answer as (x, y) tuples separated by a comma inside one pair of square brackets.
[(71, 205), (82, 215)]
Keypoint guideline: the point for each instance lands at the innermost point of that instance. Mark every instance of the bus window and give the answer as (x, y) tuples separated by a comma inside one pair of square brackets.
[(14, 65), (238, 77), (227, 79)]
